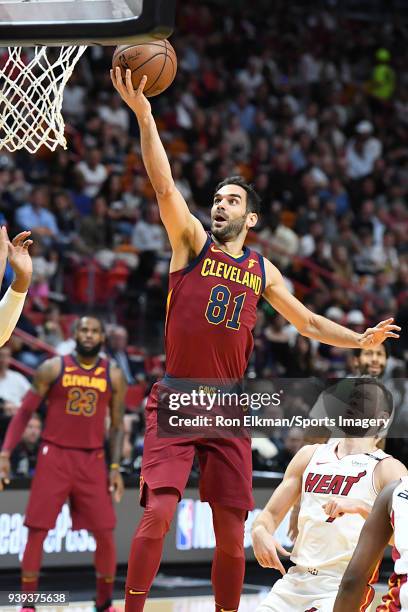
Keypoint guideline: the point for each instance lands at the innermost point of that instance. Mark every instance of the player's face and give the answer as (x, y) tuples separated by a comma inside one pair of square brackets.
[(229, 217), (89, 337), (372, 361), (32, 431)]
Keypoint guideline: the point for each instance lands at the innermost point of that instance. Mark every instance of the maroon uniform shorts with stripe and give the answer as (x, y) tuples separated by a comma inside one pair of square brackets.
[(75, 475), (225, 463)]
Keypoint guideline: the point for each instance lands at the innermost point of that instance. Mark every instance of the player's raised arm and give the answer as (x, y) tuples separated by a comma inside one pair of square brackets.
[(117, 409), (12, 303), (266, 548), (374, 537), (316, 326), (184, 230), (46, 374)]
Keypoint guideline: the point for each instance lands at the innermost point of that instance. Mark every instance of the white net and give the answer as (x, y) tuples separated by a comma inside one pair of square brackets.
[(31, 93)]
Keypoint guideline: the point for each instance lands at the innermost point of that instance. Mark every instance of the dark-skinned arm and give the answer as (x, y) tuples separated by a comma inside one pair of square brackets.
[(374, 537), (46, 374), (117, 409)]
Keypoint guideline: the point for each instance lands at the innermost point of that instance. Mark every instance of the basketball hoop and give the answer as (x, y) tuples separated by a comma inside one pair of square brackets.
[(31, 93), (44, 40)]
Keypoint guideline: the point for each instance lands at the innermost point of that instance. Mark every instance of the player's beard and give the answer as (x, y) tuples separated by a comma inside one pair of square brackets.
[(85, 351), (230, 231)]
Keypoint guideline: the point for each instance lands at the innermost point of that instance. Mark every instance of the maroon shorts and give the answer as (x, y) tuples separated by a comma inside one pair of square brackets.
[(74, 475), (225, 463)]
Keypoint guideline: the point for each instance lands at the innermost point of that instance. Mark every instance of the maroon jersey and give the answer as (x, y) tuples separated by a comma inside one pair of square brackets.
[(77, 405), (211, 312)]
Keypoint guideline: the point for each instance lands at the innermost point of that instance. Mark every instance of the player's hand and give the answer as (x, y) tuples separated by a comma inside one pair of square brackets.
[(4, 240), (339, 507), (374, 336), (136, 100), (266, 549), (4, 470), (19, 257), (116, 485)]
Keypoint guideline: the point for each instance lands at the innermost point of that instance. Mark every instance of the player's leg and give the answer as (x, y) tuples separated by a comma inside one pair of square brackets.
[(31, 562), (147, 545), (49, 489), (92, 509), (166, 467), (105, 567), (228, 568), (226, 483)]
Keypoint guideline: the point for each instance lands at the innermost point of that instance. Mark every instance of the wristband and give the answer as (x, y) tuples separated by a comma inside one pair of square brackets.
[(114, 466)]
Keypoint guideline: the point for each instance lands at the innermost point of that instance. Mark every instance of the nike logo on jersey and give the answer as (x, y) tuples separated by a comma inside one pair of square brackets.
[(330, 484), (214, 250), (322, 462), (71, 368), (131, 592), (99, 371)]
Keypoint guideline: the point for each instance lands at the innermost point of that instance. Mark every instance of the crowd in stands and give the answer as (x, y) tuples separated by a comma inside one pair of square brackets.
[(309, 104)]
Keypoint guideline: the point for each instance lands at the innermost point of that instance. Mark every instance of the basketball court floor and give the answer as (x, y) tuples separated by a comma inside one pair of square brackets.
[(249, 603)]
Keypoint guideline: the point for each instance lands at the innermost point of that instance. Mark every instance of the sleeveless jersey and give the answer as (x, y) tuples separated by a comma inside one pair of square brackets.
[(77, 405), (211, 312), (399, 520), (324, 542)]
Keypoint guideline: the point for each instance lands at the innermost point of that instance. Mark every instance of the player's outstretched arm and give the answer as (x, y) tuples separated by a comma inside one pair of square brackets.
[(12, 303), (46, 374), (266, 548), (117, 410), (184, 230), (315, 326), (374, 537)]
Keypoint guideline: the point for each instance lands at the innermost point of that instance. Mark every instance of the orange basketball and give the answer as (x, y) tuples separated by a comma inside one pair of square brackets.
[(157, 60)]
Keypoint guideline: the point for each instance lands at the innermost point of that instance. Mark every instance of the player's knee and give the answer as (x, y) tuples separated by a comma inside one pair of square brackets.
[(159, 513)]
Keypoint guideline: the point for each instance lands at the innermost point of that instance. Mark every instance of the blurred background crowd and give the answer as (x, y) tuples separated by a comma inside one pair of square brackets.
[(311, 105)]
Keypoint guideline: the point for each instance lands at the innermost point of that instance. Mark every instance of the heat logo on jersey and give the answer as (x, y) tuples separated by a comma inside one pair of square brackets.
[(331, 485), (220, 269)]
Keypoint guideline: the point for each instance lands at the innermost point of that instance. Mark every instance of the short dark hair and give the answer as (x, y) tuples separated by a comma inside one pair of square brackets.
[(389, 400), (90, 316), (253, 199)]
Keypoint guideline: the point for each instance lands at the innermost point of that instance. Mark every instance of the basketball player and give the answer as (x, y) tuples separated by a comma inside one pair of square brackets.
[(337, 484), (367, 362), (215, 285), (78, 390), (389, 514), (19, 258)]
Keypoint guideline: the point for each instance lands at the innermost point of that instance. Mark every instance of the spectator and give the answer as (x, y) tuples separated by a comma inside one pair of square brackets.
[(362, 151), (95, 230), (24, 456), (117, 342), (36, 216), (148, 233), (13, 385), (93, 171), (114, 113)]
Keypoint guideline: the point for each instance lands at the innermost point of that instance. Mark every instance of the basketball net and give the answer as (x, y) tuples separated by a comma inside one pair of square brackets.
[(31, 93)]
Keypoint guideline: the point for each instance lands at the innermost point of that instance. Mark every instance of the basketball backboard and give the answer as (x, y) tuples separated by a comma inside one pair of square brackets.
[(84, 22)]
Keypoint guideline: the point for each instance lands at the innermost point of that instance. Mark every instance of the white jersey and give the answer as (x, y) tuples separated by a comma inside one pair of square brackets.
[(399, 520), (324, 542)]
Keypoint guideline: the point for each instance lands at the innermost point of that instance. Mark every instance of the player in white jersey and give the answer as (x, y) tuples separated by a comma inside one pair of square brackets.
[(337, 484), (390, 512)]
